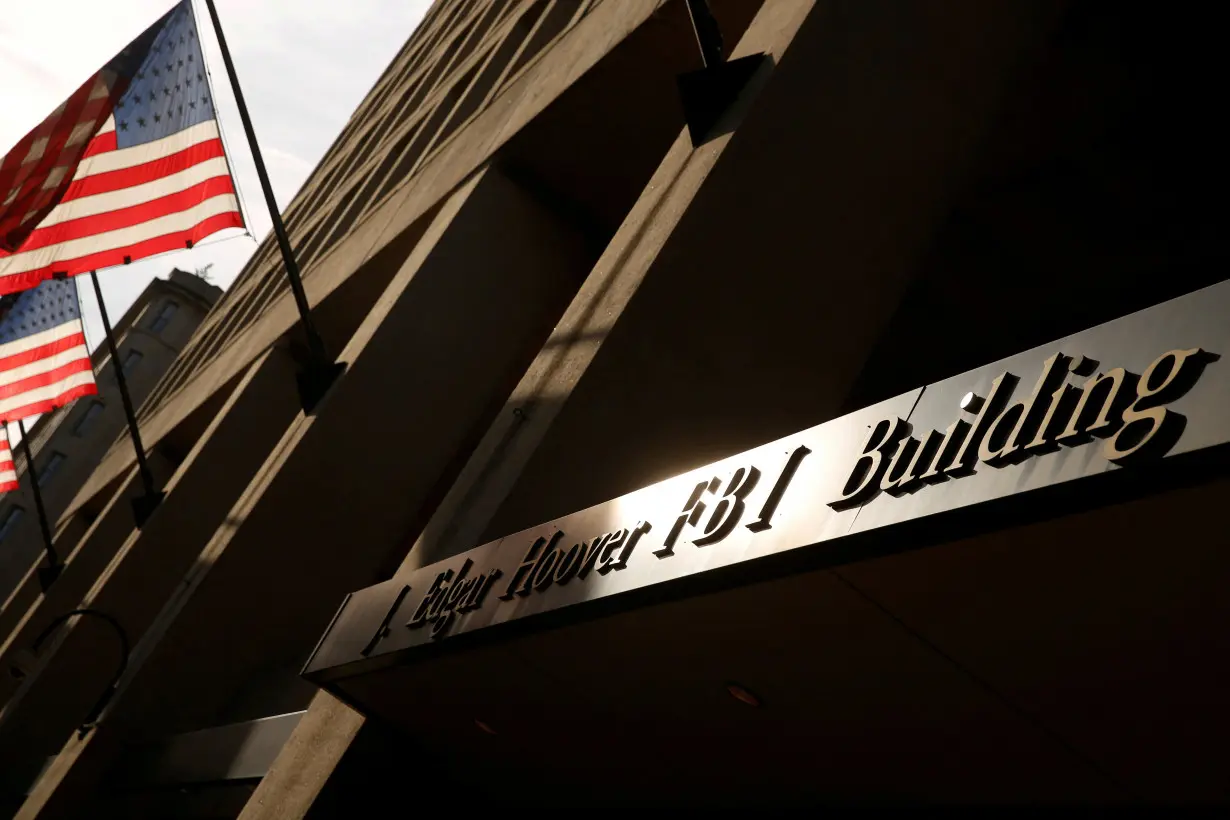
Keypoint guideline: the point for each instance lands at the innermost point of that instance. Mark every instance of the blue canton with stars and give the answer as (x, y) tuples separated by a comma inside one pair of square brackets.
[(168, 92), (52, 303)]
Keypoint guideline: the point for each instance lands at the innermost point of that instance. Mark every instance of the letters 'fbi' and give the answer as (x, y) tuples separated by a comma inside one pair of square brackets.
[(730, 504)]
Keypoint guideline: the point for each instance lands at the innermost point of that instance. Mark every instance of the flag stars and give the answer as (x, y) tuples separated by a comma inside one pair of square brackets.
[(141, 121), (157, 73), (123, 125), (157, 118)]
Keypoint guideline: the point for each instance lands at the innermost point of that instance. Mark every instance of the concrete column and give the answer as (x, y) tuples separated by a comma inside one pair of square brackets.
[(315, 749), (330, 727), (78, 663), (728, 218), (343, 489)]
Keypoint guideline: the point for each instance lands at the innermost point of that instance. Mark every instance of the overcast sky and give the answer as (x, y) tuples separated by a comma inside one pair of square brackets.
[(304, 65)]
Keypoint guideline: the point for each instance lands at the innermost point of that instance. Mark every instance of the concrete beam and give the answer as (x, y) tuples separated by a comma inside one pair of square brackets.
[(717, 215), (319, 744)]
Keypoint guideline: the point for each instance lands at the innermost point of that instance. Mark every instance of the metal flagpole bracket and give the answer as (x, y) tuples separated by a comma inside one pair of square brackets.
[(47, 575), (314, 381), (143, 506), (708, 92)]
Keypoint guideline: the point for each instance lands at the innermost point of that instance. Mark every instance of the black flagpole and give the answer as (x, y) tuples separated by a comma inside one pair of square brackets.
[(142, 506), (320, 370), (47, 574)]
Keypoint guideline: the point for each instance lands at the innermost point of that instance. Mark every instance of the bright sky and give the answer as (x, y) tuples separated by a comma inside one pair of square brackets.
[(304, 65)]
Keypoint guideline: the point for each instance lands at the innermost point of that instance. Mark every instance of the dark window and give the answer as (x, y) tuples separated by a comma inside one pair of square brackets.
[(87, 418), (11, 520), (50, 467), (131, 359), (164, 317)]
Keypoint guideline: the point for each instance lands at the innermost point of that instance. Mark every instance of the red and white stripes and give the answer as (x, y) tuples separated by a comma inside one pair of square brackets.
[(125, 204), (8, 470), (45, 371)]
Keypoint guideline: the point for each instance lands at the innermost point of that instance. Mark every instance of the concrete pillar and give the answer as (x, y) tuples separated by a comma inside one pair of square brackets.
[(78, 663), (343, 489), (328, 730), (314, 750)]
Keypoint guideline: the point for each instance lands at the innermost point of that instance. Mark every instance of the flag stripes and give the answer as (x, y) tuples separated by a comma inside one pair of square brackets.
[(148, 172), (8, 470), (44, 361)]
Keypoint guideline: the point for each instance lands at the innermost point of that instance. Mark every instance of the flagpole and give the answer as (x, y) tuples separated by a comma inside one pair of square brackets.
[(47, 574), (320, 370), (142, 506)]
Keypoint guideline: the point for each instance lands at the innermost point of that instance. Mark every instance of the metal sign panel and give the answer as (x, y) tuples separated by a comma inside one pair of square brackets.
[(1119, 398)]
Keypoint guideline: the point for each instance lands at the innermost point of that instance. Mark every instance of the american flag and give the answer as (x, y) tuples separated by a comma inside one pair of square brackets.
[(130, 166), (44, 361), (8, 470)]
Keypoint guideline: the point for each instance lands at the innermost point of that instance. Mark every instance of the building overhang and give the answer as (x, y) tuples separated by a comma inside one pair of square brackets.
[(982, 659), (955, 458)]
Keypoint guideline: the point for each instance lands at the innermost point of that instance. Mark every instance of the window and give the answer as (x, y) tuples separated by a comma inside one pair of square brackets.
[(50, 467), (164, 317), (11, 519), (131, 359), (87, 419)]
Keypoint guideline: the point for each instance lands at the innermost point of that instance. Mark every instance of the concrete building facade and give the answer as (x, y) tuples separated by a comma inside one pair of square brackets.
[(695, 467), (68, 443)]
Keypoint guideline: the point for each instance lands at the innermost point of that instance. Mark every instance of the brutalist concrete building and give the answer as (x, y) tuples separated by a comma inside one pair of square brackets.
[(859, 437)]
